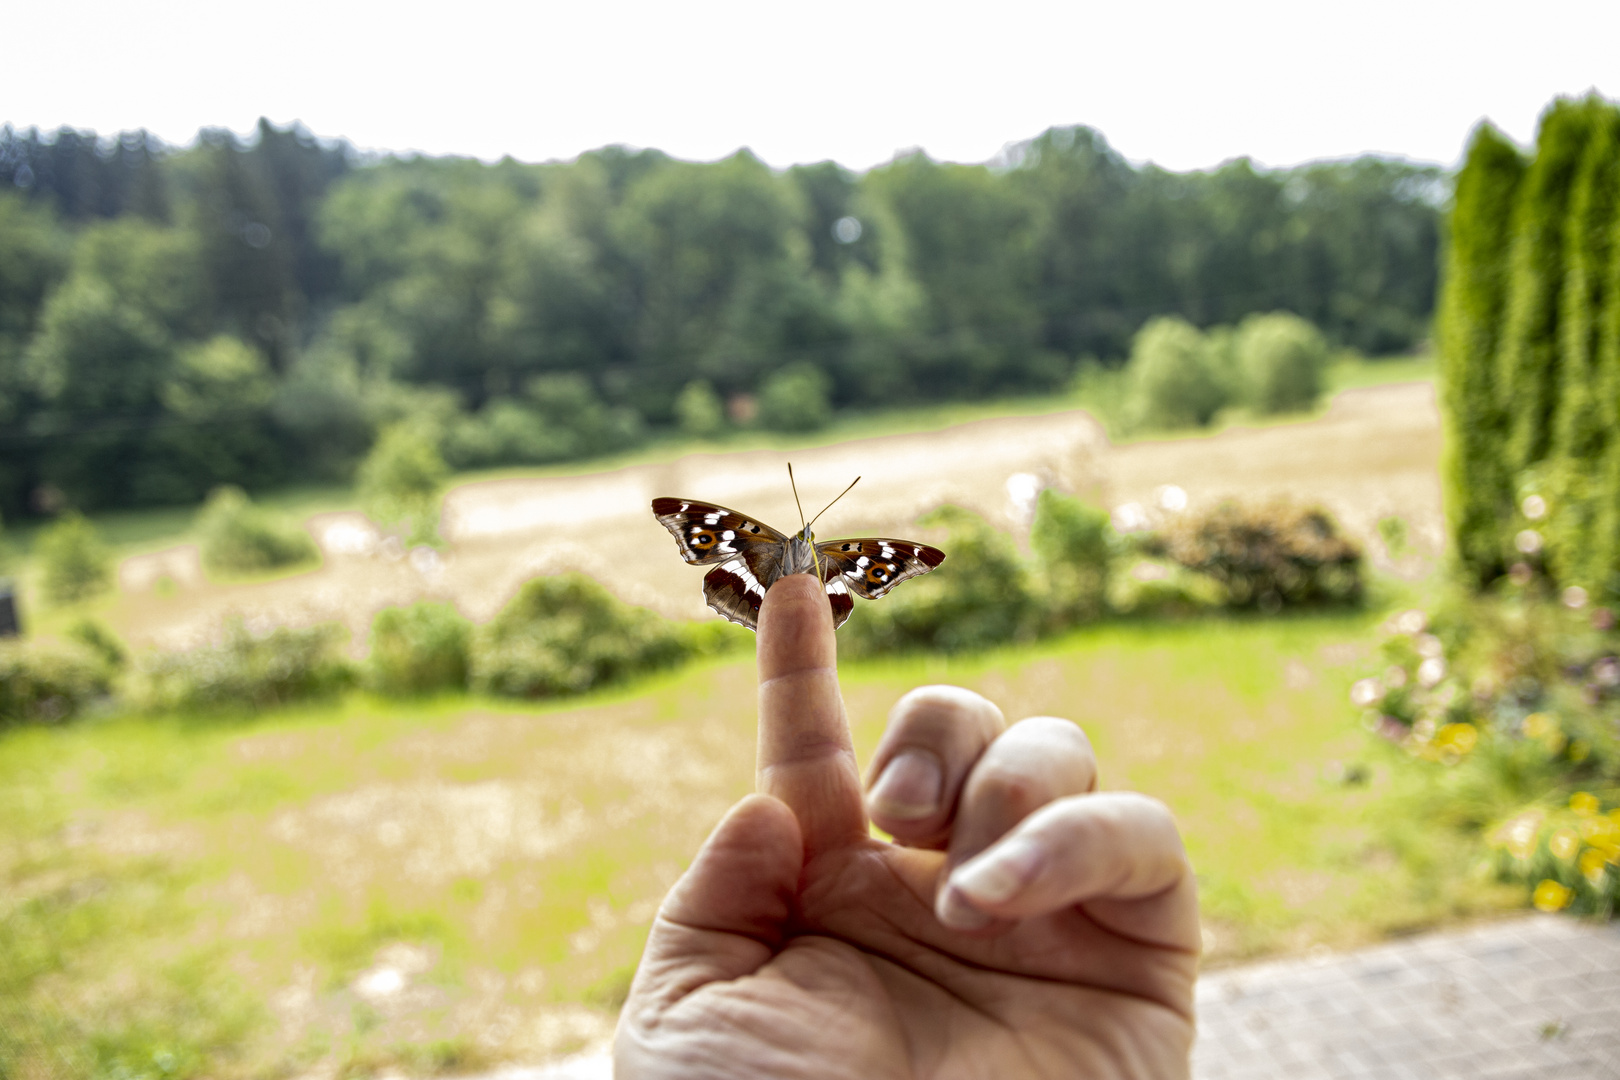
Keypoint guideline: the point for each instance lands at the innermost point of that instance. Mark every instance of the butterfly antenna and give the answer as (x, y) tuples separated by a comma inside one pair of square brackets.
[(795, 487), (841, 494)]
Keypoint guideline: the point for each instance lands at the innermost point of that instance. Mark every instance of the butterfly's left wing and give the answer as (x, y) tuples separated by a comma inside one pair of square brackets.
[(707, 533), (869, 568), (749, 553)]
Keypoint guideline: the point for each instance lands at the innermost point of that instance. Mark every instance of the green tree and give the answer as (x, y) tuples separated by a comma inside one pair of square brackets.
[(401, 480), (1173, 381), (701, 242), (74, 563), (700, 411), (1280, 359), (969, 248), (1530, 356), (1588, 411), (1471, 322), (795, 398)]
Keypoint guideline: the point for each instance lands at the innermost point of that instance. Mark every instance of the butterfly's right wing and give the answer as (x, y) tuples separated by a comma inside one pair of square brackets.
[(869, 568)]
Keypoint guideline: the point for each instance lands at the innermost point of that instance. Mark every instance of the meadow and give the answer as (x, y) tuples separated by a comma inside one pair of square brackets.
[(440, 885), (445, 884)]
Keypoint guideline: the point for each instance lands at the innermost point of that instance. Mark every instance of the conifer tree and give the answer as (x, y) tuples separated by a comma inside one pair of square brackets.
[(1529, 355), (1605, 542), (1477, 483), (1587, 410)]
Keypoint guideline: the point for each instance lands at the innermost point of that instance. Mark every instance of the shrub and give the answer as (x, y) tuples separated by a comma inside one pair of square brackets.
[(1160, 588), (558, 418), (100, 641), (504, 432), (980, 597), (74, 561), (795, 398), (1174, 382), (418, 649), (700, 410), (1280, 361), (48, 683), (1074, 547), (567, 634), (1507, 709), (238, 537), (1266, 556), (400, 479), (1566, 857), (569, 404), (245, 670)]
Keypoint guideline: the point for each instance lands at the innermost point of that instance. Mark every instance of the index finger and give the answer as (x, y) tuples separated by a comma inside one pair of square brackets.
[(806, 758)]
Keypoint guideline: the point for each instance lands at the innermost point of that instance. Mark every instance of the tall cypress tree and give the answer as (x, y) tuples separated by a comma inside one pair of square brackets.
[(1529, 355), (1478, 489), (1604, 572), (1586, 414)]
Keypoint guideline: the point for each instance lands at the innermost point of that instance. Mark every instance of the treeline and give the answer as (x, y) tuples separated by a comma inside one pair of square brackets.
[(255, 312), (1530, 346)]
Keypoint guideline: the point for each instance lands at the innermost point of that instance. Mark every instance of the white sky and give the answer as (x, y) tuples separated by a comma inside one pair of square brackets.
[(1186, 85)]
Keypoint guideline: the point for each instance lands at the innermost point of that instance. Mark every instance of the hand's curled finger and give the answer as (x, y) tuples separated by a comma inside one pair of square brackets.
[(935, 735), (1119, 853), (1035, 762)]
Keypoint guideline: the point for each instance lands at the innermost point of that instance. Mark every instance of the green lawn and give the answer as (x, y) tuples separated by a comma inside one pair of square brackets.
[(436, 886)]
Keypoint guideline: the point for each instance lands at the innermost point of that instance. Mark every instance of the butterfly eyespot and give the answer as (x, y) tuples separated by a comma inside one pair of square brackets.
[(702, 539)]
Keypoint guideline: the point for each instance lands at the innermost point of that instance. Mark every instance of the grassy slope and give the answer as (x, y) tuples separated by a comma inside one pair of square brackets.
[(182, 888)]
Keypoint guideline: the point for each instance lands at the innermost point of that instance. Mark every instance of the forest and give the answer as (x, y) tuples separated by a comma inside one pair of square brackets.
[(255, 311)]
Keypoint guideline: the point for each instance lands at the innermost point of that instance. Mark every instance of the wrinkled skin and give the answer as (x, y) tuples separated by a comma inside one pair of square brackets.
[(1021, 925)]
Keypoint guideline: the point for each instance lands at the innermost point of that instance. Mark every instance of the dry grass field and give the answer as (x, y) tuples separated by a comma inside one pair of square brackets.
[(1372, 454)]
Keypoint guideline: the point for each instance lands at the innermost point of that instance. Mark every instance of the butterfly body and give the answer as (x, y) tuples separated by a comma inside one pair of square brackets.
[(749, 556)]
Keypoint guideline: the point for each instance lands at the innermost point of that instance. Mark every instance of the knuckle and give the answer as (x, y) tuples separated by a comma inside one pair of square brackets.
[(1005, 791), (944, 709), (1053, 733)]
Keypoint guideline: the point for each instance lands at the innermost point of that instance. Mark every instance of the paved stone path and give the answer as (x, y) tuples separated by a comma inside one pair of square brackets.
[(1515, 1000), (1536, 997)]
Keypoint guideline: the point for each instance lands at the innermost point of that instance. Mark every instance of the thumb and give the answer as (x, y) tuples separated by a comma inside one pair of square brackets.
[(729, 913)]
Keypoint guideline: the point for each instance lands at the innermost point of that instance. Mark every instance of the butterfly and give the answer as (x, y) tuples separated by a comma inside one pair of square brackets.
[(752, 556)]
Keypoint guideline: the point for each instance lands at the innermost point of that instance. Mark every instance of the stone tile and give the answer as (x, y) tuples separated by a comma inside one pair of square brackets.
[(1471, 1003)]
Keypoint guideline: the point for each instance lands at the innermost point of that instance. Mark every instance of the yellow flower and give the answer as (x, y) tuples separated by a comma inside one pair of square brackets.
[(1584, 803), (1551, 896), (1518, 835), (1601, 832), (1459, 738), (1591, 865), (1538, 725), (1564, 844)]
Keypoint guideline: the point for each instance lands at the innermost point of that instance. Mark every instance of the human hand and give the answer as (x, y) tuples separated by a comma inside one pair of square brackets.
[(1021, 924)]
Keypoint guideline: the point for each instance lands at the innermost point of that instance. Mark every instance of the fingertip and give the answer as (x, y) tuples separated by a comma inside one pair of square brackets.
[(795, 627)]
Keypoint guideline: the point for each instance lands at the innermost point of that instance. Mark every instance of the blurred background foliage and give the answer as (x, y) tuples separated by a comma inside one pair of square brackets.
[(250, 312)]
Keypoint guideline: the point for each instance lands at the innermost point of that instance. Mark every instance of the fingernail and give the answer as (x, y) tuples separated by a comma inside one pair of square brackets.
[(997, 876), (955, 912), (908, 788)]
